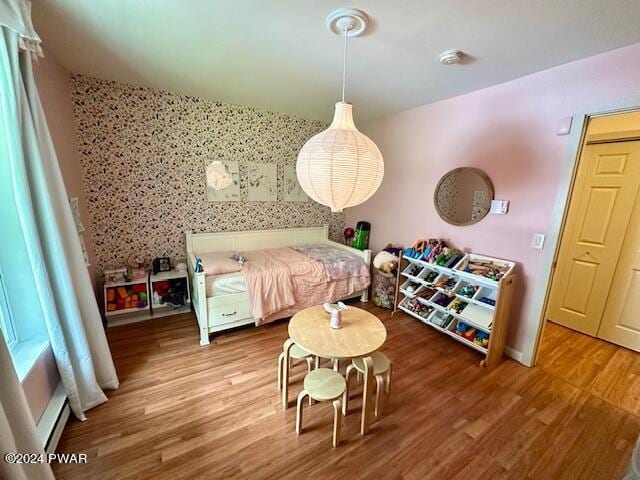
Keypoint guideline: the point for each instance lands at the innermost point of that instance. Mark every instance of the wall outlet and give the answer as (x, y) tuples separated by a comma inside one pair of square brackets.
[(499, 207), (538, 241)]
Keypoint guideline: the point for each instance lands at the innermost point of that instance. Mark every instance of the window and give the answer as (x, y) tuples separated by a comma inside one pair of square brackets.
[(21, 315), (25, 348), (6, 319)]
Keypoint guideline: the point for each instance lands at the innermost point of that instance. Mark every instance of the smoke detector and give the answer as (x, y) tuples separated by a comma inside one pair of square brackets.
[(449, 57)]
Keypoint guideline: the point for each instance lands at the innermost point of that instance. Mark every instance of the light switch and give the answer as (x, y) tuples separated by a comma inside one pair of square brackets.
[(499, 207), (537, 241), (564, 126)]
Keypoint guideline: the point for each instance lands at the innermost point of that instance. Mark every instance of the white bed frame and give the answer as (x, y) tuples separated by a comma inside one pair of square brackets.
[(223, 312)]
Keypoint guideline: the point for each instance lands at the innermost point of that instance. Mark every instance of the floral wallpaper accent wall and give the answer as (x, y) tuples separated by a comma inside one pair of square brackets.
[(143, 153)]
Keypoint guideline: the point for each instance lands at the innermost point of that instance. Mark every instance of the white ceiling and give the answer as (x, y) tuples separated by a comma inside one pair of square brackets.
[(278, 55)]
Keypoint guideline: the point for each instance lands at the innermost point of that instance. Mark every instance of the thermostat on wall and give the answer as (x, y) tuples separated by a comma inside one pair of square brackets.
[(499, 207)]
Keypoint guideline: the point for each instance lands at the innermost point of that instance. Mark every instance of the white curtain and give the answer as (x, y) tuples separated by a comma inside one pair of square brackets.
[(17, 430), (634, 464), (63, 285)]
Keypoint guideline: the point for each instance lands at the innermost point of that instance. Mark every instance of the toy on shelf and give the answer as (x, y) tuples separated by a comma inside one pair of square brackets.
[(488, 301), (417, 250), (138, 274), (449, 257), (126, 297), (472, 334), (420, 246), (482, 339), (486, 268), (442, 299), (136, 267), (457, 305), (431, 276), (118, 275), (433, 249), (468, 291), (418, 308), (442, 320), (465, 330), (446, 283), (171, 292), (426, 292), (412, 270), (411, 287)]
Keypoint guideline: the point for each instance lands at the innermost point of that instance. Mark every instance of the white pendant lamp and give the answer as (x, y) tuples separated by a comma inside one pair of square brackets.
[(340, 167)]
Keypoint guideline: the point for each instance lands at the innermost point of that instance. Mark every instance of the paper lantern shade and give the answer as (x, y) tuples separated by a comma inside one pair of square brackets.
[(340, 167)]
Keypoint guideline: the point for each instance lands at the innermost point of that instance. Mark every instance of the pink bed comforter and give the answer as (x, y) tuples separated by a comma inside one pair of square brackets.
[(282, 281)]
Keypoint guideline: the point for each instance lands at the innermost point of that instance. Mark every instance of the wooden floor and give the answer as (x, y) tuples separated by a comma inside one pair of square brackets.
[(185, 412), (601, 368)]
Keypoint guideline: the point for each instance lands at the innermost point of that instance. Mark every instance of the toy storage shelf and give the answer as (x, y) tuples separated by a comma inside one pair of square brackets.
[(456, 298), (152, 309), (162, 310), (443, 330), (117, 291)]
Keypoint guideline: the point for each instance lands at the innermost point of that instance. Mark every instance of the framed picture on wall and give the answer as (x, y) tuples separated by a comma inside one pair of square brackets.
[(161, 264), (292, 190), (230, 192), (262, 182)]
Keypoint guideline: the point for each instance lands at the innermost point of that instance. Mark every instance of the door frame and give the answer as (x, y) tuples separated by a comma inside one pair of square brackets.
[(542, 284)]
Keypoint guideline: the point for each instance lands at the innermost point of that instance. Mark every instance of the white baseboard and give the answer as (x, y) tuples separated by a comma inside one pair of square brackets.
[(515, 354), (58, 429), (53, 420)]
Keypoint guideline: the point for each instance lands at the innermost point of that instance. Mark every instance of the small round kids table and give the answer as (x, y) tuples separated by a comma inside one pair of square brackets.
[(362, 333)]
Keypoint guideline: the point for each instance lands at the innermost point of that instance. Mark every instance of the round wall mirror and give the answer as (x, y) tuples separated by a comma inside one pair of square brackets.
[(463, 196)]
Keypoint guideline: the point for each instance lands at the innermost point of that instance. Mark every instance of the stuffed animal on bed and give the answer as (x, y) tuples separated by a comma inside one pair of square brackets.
[(238, 258)]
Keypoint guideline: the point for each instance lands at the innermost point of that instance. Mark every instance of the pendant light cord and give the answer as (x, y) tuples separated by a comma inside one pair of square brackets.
[(344, 62)]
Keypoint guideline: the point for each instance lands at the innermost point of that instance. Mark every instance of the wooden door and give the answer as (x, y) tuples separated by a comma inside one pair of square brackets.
[(621, 320), (601, 207)]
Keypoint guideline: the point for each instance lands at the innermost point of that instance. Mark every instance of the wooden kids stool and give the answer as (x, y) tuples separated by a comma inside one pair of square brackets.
[(323, 385), (291, 351), (381, 366)]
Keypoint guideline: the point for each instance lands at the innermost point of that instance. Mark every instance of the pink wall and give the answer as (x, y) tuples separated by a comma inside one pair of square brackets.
[(53, 86), (40, 383), (509, 132)]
